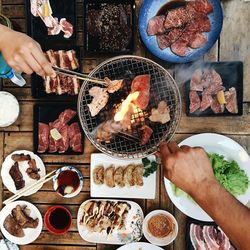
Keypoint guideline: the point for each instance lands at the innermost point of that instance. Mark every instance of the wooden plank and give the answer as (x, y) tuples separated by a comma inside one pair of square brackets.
[(180, 241), (235, 36), (213, 53), (13, 11), (22, 94), (55, 247)]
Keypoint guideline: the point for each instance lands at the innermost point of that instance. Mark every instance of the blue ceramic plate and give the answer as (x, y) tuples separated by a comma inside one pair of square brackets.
[(150, 8)]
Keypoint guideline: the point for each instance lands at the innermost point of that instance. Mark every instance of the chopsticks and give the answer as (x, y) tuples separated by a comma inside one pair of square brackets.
[(80, 76), (19, 194)]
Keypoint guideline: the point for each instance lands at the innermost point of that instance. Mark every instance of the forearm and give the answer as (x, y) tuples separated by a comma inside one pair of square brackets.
[(227, 212)]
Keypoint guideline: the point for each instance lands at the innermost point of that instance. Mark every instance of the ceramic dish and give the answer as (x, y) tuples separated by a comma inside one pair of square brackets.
[(212, 143), (139, 245), (150, 8), (57, 175), (147, 191), (8, 163), (160, 241), (31, 234), (132, 231)]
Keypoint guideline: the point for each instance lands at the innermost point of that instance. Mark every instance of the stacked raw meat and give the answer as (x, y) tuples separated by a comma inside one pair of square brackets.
[(182, 28), (70, 135), (208, 84), (62, 84)]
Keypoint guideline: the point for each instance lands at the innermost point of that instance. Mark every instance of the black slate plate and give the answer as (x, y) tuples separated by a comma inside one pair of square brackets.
[(37, 29), (232, 76), (92, 43), (49, 112), (37, 87)]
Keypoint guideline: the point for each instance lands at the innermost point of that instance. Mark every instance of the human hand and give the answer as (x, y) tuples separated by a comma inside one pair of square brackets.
[(22, 53), (188, 168)]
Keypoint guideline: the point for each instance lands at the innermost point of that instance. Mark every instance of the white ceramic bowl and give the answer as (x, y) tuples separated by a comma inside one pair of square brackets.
[(160, 241)]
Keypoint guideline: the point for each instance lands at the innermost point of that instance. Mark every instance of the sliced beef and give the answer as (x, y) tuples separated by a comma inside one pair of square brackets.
[(201, 6), (195, 83), (17, 176), (209, 78), (75, 137), (213, 89), (53, 145), (217, 107), (206, 102), (12, 227), (146, 134), (197, 41), (195, 101), (156, 25), (66, 116), (231, 101), (43, 137), (63, 143), (180, 47), (176, 18), (199, 23)]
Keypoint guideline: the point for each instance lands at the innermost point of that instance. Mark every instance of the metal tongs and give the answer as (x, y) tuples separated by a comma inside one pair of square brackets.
[(79, 76)]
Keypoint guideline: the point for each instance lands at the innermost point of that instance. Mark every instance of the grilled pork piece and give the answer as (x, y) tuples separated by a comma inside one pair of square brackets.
[(32, 170), (13, 227), (98, 175), (20, 157), (161, 114), (231, 101), (146, 134), (156, 25), (195, 101), (43, 137), (17, 176), (201, 6)]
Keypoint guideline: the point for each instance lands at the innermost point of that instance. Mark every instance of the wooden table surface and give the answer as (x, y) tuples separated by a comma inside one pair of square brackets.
[(232, 45)]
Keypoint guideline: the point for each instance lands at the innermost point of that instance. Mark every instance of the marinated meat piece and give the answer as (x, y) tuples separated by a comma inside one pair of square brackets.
[(217, 107), (105, 132), (75, 137), (195, 101), (128, 175), (156, 25), (231, 101), (109, 176), (202, 6), (213, 89), (53, 145), (72, 58), (100, 99), (206, 102), (167, 39), (12, 227), (63, 143), (66, 27), (146, 134), (118, 177), (98, 175), (180, 47), (52, 57), (199, 23), (198, 41), (195, 83), (22, 218), (66, 116), (43, 137), (32, 170), (17, 176), (114, 85), (138, 175), (210, 77), (20, 157), (176, 18), (55, 28), (141, 84), (161, 114)]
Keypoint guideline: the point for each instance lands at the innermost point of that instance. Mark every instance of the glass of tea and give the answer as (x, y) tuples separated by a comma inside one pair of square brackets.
[(68, 181), (57, 220)]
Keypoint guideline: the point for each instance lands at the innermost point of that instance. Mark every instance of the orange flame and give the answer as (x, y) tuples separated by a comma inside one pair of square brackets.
[(125, 106)]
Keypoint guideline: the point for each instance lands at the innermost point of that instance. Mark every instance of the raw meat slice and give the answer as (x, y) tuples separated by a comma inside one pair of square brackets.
[(206, 102), (141, 84), (66, 27), (72, 58), (66, 116), (197, 41), (195, 101), (43, 137), (213, 89), (176, 18), (209, 234), (156, 26), (146, 134), (55, 29), (202, 6), (180, 47), (210, 77), (217, 107), (231, 101), (195, 83), (63, 143), (75, 137), (199, 23), (196, 237)]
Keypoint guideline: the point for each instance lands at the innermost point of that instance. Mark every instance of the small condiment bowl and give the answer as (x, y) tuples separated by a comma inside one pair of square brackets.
[(56, 178), (157, 240), (49, 225)]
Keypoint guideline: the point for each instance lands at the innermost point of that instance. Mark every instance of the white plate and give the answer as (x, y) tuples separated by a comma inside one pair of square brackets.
[(139, 245), (31, 234), (147, 191), (8, 163), (212, 143), (131, 233)]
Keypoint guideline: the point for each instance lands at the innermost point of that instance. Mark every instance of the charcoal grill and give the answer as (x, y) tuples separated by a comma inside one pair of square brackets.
[(163, 88)]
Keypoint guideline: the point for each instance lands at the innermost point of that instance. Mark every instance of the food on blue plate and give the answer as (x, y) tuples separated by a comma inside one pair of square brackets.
[(208, 84), (70, 135), (17, 176), (18, 220), (62, 84), (183, 27), (209, 237), (161, 113), (42, 9), (104, 216)]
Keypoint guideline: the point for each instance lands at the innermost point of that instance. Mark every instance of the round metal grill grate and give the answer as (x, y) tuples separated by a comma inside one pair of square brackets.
[(163, 88)]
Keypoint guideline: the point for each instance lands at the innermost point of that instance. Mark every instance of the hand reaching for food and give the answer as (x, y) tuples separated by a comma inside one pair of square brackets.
[(22, 53), (188, 168)]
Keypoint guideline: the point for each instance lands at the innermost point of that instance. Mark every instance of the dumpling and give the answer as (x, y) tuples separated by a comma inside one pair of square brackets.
[(98, 175), (138, 175), (118, 177), (128, 175), (109, 176)]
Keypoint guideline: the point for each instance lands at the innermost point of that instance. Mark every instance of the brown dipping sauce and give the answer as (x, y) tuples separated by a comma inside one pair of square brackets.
[(170, 6), (67, 178), (59, 218), (160, 225)]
